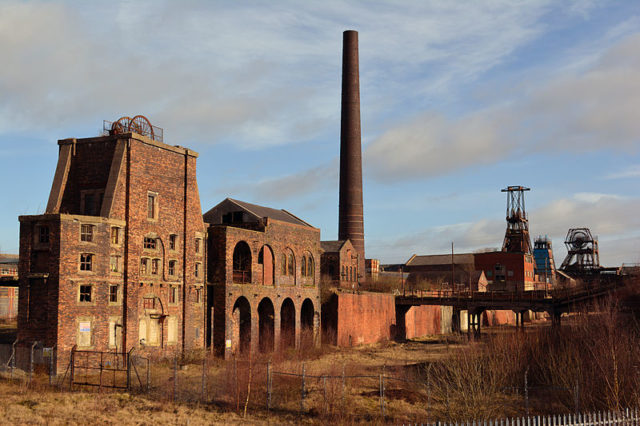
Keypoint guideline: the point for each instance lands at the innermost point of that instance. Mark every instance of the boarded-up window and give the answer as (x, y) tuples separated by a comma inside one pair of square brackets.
[(153, 332), (84, 334), (142, 331), (172, 330), (115, 332)]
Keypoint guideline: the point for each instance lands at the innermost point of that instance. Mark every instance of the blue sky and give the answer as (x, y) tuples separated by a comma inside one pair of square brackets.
[(458, 100)]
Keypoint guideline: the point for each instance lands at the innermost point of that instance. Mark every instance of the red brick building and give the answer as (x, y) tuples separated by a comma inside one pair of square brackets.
[(264, 276), (117, 260), (8, 287), (339, 262), (507, 271)]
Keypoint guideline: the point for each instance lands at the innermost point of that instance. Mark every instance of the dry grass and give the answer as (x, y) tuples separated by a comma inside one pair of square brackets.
[(434, 379)]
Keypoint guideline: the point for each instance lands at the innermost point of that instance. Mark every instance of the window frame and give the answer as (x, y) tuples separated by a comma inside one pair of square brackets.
[(87, 232), (152, 205), (115, 232), (150, 243), (117, 294), (42, 234), (83, 294), (86, 259)]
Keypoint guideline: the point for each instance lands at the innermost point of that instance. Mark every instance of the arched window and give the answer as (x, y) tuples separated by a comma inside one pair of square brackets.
[(310, 271), (242, 263), (303, 266), (291, 270)]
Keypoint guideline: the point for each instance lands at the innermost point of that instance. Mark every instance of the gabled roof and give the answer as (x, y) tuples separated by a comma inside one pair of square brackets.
[(260, 212), (440, 259), (332, 246)]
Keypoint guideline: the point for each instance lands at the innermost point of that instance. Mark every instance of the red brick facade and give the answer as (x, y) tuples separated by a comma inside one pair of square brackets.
[(264, 277), (111, 265), (340, 264)]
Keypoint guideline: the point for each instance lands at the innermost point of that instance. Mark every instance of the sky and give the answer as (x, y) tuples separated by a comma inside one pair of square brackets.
[(458, 100)]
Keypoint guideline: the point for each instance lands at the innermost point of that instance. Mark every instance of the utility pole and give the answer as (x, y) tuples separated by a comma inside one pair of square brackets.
[(453, 284)]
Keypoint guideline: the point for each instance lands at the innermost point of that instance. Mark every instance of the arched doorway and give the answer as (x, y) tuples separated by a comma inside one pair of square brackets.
[(265, 259), (287, 324), (307, 313), (265, 325), (242, 263), (241, 325)]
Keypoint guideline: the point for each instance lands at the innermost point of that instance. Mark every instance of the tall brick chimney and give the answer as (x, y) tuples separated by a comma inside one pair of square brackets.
[(351, 221)]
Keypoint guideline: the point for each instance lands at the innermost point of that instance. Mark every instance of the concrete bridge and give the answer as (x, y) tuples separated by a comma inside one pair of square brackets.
[(555, 302)]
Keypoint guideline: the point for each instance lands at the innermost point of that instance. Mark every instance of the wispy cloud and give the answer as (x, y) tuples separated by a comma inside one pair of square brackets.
[(289, 186), (609, 215), (630, 172), (255, 74), (579, 112)]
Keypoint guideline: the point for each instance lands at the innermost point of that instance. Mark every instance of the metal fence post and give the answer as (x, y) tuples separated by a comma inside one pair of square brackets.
[(175, 376), (382, 395), (148, 375), (268, 385), (31, 360), (204, 376), (344, 387), (324, 393), (51, 366), (302, 390), (526, 392)]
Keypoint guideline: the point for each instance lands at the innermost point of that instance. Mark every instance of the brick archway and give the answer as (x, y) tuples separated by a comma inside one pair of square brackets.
[(307, 313), (241, 322), (287, 324), (266, 330), (242, 263)]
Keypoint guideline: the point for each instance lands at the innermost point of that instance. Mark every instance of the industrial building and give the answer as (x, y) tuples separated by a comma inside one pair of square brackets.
[(117, 259), (264, 279)]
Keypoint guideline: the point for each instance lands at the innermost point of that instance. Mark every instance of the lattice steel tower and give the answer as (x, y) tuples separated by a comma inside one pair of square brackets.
[(516, 239), (582, 251)]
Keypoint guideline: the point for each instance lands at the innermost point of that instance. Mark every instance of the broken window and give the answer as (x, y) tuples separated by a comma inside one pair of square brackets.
[(85, 293), (173, 238), (172, 267), (155, 266), (150, 243), (197, 269), (86, 233), (86, 262), (144, 266), (198, 244)]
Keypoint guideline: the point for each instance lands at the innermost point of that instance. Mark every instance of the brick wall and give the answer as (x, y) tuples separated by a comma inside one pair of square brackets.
[(365, 318), (281, 238), (422, 321), (125, 168)]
